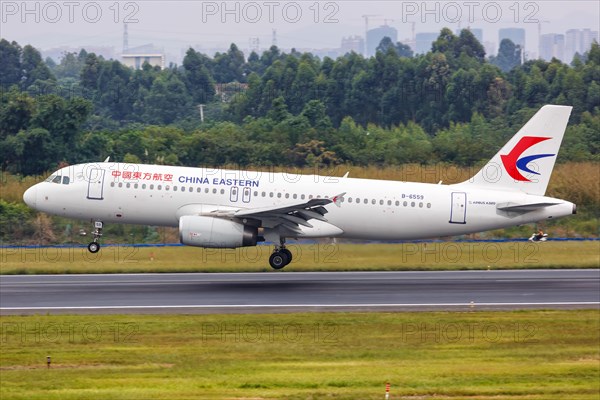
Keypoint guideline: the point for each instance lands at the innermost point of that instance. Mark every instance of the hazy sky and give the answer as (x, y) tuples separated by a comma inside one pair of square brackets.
[(175, 25)]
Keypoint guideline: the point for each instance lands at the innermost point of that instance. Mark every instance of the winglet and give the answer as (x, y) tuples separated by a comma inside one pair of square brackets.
[(346, 174)]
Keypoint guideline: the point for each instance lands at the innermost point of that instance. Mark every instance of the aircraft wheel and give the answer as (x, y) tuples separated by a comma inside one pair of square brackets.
[(93, 247), (278, 260), (288, 254)]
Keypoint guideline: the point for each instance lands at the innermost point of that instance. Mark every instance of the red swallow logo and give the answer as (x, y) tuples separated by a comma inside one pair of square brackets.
[(512, 162)]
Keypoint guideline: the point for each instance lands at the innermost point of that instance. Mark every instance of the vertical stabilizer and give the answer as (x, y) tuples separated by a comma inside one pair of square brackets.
[(526, 161)]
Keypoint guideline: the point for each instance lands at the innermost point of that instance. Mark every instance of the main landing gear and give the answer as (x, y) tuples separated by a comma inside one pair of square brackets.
[(281, 256), (94, 246)]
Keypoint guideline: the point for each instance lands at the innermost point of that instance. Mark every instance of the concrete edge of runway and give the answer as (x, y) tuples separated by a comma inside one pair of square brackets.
[(275, 309)]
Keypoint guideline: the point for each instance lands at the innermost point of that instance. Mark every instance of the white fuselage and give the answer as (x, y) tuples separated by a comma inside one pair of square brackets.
[(370, 209)]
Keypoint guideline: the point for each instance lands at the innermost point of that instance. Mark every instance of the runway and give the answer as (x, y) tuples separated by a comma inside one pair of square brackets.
[(298, 291)]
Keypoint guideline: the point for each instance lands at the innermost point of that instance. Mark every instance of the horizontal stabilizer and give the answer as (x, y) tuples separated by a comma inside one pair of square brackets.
[(515, 207)]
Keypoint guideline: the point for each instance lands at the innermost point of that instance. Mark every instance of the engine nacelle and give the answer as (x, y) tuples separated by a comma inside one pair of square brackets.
[(195, 230)]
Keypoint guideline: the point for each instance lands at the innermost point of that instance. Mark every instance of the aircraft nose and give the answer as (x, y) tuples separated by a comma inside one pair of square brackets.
[(30, 196)]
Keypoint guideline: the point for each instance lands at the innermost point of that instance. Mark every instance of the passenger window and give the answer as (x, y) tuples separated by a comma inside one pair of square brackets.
[(120, 184), (349, 199), (366, 201), (151, 186), (174, 188), (112, 184), (65, 180), (405, 204), (302, 196), (159, 187), (397, 203), (412, 204), (295, 196), (128, 185), (389, 202), (167, 188), (143, 186), (192, 189), (222, 191), (428, 205), (373, 201), (287, 195), (278, 195)]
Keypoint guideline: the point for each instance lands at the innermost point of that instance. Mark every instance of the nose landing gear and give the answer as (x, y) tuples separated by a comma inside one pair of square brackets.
[(94, 246), (281, 256)]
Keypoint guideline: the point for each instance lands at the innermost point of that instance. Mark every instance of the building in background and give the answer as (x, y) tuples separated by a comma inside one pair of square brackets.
[(516, 35), (352, 44), (374, 37), (424, 40), (552, 45), (136, 57)]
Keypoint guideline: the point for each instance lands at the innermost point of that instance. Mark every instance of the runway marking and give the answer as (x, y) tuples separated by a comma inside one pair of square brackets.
[(564, 303)]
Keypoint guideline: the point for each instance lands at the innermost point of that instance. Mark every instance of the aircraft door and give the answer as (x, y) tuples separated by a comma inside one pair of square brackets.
[(96, 184), (246, 195), (233, 194), (458, 208)]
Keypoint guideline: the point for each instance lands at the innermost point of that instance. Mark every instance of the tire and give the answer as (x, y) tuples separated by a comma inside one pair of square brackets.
[(93, 247), (288, 254), (278, 260)]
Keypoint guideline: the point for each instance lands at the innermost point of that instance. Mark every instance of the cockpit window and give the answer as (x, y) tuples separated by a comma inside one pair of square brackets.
[(56, 179), (65, 180)]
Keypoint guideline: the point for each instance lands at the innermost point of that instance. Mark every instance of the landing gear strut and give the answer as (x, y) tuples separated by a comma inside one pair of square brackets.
[(94, 246), (281, 256)]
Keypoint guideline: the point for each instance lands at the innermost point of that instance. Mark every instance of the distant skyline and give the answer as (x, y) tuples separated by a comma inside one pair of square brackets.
[(176, 25)]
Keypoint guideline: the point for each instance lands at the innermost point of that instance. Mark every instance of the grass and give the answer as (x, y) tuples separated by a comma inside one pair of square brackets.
[(483, 355), (308, 257)]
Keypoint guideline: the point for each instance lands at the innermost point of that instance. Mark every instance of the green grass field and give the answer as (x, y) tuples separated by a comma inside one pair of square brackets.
[(482, 355), (314, 257)]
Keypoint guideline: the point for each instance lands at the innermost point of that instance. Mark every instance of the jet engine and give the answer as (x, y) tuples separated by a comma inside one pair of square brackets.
[(200, 231)]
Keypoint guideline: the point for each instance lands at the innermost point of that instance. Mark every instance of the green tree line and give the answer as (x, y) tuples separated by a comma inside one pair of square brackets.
[(448, 105)]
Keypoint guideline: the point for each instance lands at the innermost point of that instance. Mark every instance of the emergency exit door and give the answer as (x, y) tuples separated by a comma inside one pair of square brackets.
[(458, 208), (96, 184)]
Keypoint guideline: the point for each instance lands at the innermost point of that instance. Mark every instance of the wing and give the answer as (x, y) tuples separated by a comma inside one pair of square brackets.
[(291, 217)]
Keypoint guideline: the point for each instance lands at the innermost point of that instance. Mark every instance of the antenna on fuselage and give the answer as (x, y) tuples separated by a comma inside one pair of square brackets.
[(107, 158)]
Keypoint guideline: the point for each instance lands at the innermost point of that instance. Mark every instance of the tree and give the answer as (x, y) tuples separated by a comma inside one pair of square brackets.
[(10, 63), (401, 50), (33, 67), (199, 82), (229, 67), (167, 100), (509, 56)]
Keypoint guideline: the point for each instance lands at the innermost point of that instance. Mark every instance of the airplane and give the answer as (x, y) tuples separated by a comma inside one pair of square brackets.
[(218, 208)]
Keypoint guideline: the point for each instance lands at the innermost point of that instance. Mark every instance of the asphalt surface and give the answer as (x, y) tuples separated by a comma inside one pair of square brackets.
[(298, 291)]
